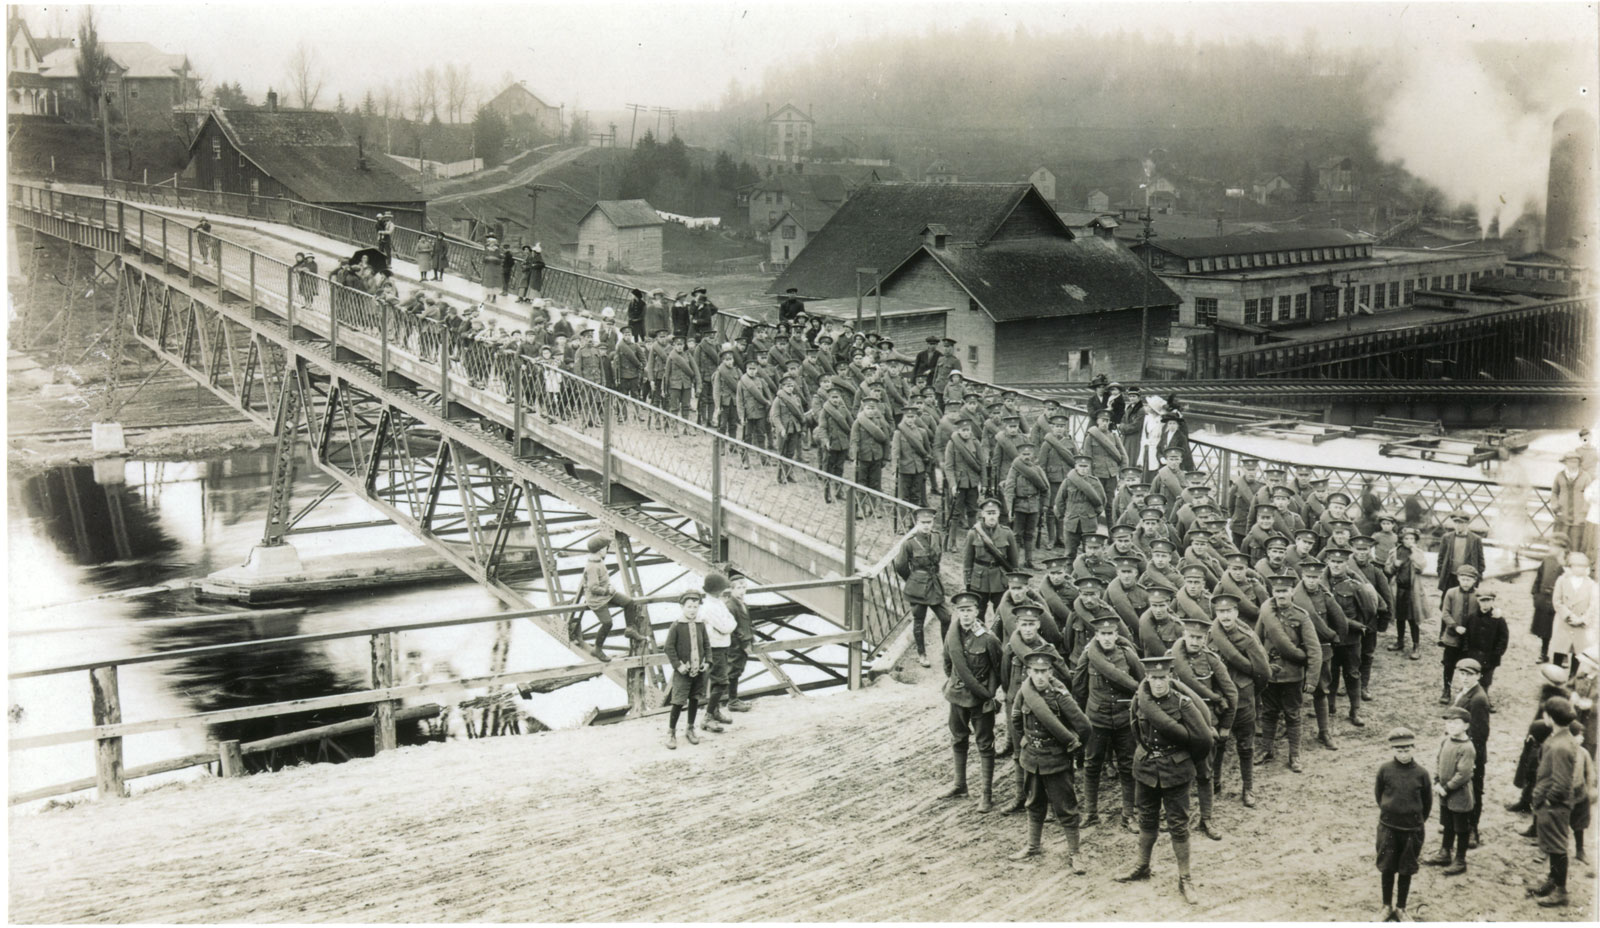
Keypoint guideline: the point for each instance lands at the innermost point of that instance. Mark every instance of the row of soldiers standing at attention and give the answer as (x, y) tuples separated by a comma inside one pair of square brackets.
[(1191, 624)]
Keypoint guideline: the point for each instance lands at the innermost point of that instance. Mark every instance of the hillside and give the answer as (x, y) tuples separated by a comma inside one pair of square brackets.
[(78, 151)]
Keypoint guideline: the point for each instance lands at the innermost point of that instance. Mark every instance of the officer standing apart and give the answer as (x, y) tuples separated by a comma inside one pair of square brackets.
[(1051, 728), (1170, 728)]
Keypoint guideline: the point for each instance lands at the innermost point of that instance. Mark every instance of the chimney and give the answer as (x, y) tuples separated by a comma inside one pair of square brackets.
[(272, 101), (361, 155)]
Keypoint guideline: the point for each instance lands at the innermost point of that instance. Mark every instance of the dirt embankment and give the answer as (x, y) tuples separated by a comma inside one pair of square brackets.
[(813, 808)]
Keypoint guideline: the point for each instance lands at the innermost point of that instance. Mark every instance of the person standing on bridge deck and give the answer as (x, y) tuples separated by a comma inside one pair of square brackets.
[(385, 228), (599, 596), (636, 310), (870, 435), (787, 415), (972, 688), (963, 475), (1134, 412), (832, 434), (1294, 660), (743, 638), (917, 561), (912, 451), (1105, 449), (791, 306), (533, 273), (1242, 500), (989, 553), (947, 364), (927, 359), (202, 238), (753, 399), (657, 351), (1170, 728), (1052, 729), (1079, 503), (688, 650), (682, 378), (724, 392), (1026, 490)]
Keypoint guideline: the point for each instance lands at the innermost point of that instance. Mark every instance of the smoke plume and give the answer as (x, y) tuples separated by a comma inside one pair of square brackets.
[(1476, 124)]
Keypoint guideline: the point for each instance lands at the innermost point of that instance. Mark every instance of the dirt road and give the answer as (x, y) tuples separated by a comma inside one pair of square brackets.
[(813, 808)]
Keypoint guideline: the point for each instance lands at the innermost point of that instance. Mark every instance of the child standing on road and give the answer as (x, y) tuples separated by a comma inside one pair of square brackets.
[(1405, 799), (688, 650), (1452, 783)]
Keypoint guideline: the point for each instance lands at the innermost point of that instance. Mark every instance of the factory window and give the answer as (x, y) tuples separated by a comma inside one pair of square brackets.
[(1205, 311), (1252, 312), (1549, 273), (1320, 254), (1079, 359), (1394, 293), (1303, 256), (1436, 283), (1377, 296), (1301, 304), (1349, 301), (1366, 295), (1461, 280), (1410, 289), (1283, 307), (1208, 264)]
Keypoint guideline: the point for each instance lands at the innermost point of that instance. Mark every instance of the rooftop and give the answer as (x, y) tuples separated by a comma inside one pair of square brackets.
[(310, 153), (1039, 278), (1381, 257), (136, 59), (625, 214), (1249, 243)]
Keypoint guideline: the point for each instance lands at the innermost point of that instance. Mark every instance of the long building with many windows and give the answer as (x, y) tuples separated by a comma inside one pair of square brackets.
[(1248, 286)]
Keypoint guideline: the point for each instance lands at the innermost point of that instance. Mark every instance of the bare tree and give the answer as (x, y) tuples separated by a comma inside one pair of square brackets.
[(305, 75), (430, 91), (389, 103), (457, 88), (417, 97)]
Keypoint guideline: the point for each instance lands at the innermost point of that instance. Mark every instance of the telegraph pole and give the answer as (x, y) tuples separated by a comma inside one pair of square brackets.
[(636, 107), (1144, 303), (533, 208)]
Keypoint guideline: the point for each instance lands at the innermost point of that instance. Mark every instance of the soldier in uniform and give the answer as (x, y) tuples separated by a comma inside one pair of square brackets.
[(1239, 581), (963, 475), (913, 456), (1294, 665), (833, 438), (1285, 521), (917, 563), (1160, 569), (1277, 559), (1331, 625), (682, 378), (725, 392), (1051, 728), (1093, 561), (1056, 455), (1106, 450), (869, 445), (1124, 593), (1090, 607), (1004, 449), (1204, 672), (1017, 595), (1193, 597), (1242, 499), (990, 552), (1024, 639), (1059, 594), (753, 399), (1026, 490), (1359, 603), (972, 667), (1246, 661), (1171, 729), (1111, 672), (1079, 502), (1254, 541), (1363, 563), (787, 415), (1158, 628)]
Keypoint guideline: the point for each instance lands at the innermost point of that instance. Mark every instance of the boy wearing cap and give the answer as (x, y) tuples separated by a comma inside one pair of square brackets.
[(1469, 695), (1404, 792), (688, 650), (1385, 538), (1026, 490), (1050, 729), (1458, 547), (1202, 670), (1455, 609), (1487, 637), (1110, 670), (1294, 665), (599, 596), (1170, 729), (972, 663), (1244, 657), (1452, 783), (1565, 773)]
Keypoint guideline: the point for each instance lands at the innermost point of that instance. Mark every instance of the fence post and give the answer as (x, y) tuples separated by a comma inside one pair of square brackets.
[(716, 497), (333, 321), (383, 733), (122, 230), (444, 372), (852, 590), (230, 759), (166, 250), (288, 292), (141, 237), (383, 344), (252, 280), (605, 451), (191, 255), (107, 705), (517, 370)]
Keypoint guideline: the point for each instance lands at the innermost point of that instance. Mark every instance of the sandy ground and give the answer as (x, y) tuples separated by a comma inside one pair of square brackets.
[(810, 808)]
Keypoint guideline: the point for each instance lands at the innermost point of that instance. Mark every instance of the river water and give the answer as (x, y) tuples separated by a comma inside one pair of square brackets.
[(76, 544)]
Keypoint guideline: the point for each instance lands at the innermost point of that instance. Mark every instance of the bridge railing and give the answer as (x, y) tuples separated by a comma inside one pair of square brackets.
[(383, 692)]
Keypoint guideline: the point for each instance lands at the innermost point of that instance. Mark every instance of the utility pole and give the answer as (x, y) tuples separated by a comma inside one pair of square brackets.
[(105, 129), (533, 208), (1144, 302), (636, 107)]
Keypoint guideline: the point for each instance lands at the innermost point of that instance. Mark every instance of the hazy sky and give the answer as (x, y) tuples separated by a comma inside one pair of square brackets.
[(682, 53)]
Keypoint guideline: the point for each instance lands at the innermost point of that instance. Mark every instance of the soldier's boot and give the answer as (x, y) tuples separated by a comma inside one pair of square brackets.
[(1091, 800), (1017, 799), (1207, 789), (1444, 695), (986, 798), (1294, 752), (1130, 811), (1035, 833), (1027, 553), (1324, 733), (959, 790), (1247, 776), (1457, 867), (1180, 850), (1556, 898), (1141, 870), (1355, 710), (1074, 862)]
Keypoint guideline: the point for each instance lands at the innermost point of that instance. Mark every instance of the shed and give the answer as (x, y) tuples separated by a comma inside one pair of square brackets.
[(620, 235)]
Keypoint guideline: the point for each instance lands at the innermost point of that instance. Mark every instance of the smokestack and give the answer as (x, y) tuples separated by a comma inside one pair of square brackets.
[(1569, 215), (272, 101)]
